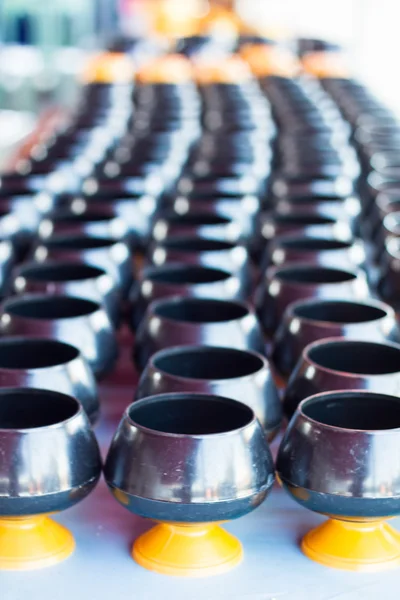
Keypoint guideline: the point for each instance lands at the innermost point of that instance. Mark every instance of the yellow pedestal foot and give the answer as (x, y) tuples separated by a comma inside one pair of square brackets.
[(33, 543), (354, 546), (197, 550)]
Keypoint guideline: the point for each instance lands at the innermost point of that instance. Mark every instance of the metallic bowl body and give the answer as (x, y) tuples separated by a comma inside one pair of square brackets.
[(49, 457), (340, 364), (69, 279), (242, 209), (307, 321), (389, 278), (48, 365), (189, 281), (238, 374), (106, 253), (82, 323), (304, 222), (7, 261), (196, 321), (316, 250), (95, 222), (170, 476), (288, 284), (136, 211), (348, 468), (208, 252), (200, 224), (341, 209)]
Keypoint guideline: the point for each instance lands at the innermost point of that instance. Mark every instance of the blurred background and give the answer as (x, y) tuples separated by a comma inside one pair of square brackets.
[(43, 43)]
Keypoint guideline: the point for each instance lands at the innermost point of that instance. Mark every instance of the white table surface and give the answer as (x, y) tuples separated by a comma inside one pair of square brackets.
[(101, 567)]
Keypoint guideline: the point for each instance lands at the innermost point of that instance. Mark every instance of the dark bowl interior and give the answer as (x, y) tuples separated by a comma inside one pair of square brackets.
[(354, 411), (186, 275), (332, 311), (60, 272), (188, 414), (191, 244), (30, 408), (208, 363), (313, 244), (201, 310), (303, 219), (314, 199), (60, 307), (197, 219), (34, 353), (76, 242), (86, 217), (305, 275), (361, 358)]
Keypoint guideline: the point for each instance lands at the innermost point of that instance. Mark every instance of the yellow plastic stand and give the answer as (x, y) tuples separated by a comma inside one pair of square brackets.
[(33, 543), (187, 550), (354, 546)]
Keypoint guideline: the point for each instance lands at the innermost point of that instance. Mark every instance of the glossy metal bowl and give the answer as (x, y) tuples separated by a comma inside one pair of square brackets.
[(50, 365), (203, 224), (106, 253), (389, 277), (307, 321), (288, 284), (76, 321), (49, 461), (239, 374), (93, 221), (339, 364), (7, 261), (338, 457), (160, 466), (305, 222), (70, 279), (324, 251), (194, 321), (174, 279), (243, 209)]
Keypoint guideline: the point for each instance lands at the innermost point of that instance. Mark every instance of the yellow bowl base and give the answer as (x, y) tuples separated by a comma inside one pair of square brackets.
[(33, 543), (197, 550), (353, 546)]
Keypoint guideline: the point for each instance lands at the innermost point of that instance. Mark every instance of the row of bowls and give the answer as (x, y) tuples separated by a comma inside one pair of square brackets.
[(179, 485)]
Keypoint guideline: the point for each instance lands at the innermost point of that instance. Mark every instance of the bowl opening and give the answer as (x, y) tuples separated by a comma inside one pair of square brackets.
[(197, 219), (208, 363), (201, 311), (76, 242), (188, 244), (310, 275), (186, 275), (56, 307), (59, 272), (314, 199), (354, 410), (361, 358), (34, 354), (32, 408), (311, 244), (86, 217), (188, 414), (303, 219), (332, 311)]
